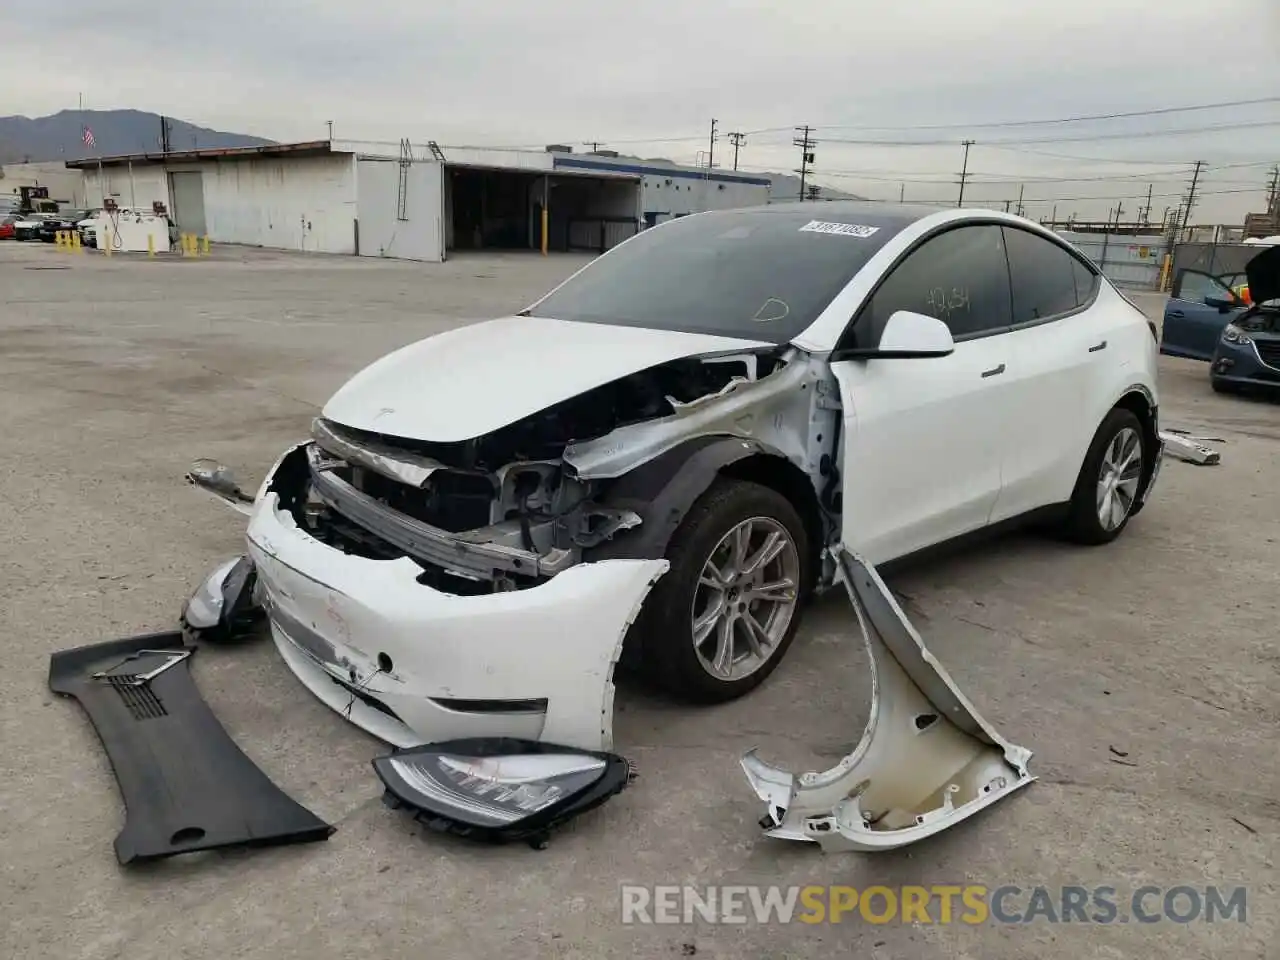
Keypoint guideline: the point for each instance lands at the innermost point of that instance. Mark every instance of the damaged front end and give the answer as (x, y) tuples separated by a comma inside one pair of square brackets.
[(432, 590), (926, 761), (521, 504)]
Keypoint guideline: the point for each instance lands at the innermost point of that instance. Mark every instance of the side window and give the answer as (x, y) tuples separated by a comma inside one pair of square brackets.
[(961, 277), (1042, 275), (1196, 286), (1086, 282)]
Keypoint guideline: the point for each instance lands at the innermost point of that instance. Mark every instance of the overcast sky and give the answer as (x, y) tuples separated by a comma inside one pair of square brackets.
[(506, 72)]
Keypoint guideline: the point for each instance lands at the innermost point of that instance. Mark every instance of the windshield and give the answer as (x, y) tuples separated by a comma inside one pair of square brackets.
[(758, 273)]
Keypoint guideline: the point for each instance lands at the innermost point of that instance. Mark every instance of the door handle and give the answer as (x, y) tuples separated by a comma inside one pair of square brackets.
[(1177, 313), (1098, 346), (994, 371)]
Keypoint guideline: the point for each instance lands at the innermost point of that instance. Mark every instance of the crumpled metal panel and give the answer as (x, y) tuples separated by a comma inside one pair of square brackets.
[(926, 761), (777, 410)]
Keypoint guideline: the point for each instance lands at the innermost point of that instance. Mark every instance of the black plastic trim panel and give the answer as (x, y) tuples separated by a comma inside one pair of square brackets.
[(186, 785)]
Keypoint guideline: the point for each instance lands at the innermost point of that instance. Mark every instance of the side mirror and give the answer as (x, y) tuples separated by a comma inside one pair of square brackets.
[(1222, 303), (907, 336)]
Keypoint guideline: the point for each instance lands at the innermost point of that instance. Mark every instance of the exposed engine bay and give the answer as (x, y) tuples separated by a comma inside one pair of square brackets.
[(524, 502), (1261, 318)]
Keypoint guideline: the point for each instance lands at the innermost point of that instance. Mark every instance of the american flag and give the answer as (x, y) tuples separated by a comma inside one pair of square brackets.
[(88, 137)]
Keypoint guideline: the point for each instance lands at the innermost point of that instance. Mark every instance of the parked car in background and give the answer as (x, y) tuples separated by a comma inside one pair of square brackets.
[(1247, 354), (26, 227), (87, 227), (62, 221), (711, 408), (6, 225)]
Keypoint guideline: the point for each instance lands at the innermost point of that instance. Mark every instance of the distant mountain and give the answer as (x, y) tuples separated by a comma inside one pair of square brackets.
[(61, 136)]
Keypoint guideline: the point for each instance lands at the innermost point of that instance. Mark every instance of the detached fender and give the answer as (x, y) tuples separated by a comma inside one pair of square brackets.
[(663, 491)]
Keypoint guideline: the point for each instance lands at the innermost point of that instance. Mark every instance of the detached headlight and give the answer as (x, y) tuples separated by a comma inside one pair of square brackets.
[(499, 788), (1233, 334)]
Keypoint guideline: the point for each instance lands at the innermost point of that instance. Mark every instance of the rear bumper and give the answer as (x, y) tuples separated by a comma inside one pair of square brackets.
[(411, 664)]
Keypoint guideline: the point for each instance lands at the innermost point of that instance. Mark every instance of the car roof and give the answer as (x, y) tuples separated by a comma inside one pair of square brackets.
[(890, 216)]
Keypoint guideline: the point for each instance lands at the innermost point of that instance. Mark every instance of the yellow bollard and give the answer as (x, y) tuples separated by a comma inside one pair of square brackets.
[(188, 248), (206, 245), (151, 246), (58, 237), (76, 244)]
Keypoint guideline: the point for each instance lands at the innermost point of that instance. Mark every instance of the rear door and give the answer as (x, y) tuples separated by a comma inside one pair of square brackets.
[(924, 438), (1192, 325), (1065, 350)]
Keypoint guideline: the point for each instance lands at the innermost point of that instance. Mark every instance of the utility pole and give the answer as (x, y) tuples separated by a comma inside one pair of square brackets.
[(902, 193), (593, 144), (964, 172), (711, 152), (330, 123), (1146, 211), (1021, 189), (164, 135), (1191, 199), (806, 145), (737, 139), (1273, 195), (1053, 217), (1007, 205)]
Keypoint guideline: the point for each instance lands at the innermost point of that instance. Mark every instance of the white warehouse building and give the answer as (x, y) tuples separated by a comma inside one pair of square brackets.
[(412, 201)]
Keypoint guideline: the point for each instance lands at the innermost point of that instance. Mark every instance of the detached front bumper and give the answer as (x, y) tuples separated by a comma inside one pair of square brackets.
[(412, 665)]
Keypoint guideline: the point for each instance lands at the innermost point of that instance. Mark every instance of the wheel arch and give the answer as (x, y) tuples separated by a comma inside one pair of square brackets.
[(1141, 402), (663, 491)]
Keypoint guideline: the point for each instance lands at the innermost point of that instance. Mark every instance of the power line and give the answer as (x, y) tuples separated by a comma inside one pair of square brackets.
[(1076, 119), (1088, 138)]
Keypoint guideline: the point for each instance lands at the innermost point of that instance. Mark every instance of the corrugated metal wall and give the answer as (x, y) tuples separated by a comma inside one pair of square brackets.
[(1127, 261)]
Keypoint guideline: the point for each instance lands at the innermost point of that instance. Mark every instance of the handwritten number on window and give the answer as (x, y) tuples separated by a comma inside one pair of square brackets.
[(942, 303)]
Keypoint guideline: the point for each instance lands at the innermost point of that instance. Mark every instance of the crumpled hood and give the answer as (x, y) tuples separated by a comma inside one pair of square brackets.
[(470, 381), (1263, 273)]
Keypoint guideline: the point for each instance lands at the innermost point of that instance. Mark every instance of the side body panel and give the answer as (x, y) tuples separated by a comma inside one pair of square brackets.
[(922, 448)]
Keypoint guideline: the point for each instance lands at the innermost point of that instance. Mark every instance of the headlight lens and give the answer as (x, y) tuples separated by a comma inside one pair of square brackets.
[(1233, 334), (499, 788)]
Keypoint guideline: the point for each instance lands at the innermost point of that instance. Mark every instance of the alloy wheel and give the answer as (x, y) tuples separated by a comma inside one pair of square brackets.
[(1118, 477), (746, 598)]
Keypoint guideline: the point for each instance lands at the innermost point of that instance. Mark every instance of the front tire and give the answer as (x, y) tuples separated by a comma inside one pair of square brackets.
[(1107, 487), (721, 619)]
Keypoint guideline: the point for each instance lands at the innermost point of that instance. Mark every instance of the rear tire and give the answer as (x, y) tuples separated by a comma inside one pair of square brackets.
[(1109, 480), (683, 638)]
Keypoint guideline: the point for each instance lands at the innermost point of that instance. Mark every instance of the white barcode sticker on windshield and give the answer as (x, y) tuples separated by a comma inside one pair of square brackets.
[(843, 229)]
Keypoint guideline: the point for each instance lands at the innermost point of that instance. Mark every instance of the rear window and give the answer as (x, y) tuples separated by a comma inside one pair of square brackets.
[(754, 273)]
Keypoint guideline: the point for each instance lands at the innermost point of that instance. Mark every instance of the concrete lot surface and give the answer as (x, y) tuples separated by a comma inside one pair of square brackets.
[(1144, 675)]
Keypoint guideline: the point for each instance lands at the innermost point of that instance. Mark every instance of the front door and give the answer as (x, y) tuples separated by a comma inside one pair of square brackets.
[(924, 438), (1200, 306)]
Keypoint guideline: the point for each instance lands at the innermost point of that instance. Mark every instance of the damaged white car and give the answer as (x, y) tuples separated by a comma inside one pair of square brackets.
[(660, 456)]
